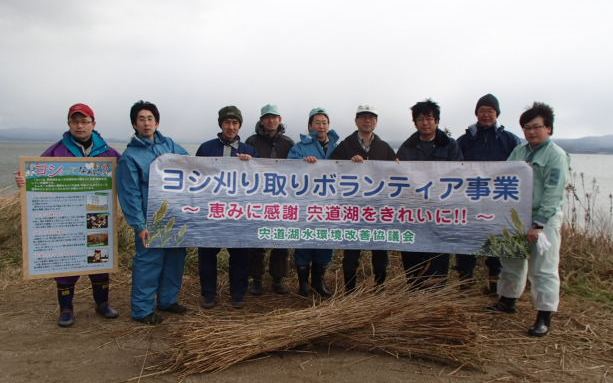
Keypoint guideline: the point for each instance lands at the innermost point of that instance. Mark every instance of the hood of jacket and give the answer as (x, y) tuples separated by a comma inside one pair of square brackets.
[(312, 137), (440, 139), (259, 130)]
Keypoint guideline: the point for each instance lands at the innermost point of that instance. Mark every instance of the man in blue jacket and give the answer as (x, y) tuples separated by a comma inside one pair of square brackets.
[(227, 144), (429, 143), (157, 274), (485, 140), (318, 144)]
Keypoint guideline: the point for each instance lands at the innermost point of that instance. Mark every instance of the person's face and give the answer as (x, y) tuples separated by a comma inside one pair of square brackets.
[(230, 128), (536, 132), (426, 125), (81, 127), (366, 122), (146, 125), (486, 116), (270, 122), (320, 125)]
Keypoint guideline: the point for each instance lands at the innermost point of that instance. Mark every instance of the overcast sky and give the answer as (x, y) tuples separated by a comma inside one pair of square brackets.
[(193, 57)]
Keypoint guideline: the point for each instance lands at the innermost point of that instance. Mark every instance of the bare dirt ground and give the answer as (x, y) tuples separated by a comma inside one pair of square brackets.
[(35, 349)]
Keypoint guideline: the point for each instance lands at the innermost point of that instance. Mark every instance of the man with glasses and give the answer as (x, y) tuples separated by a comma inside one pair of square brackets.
[(429, 143), (360, 146), (485, 140), (550, 165), (81, 140)]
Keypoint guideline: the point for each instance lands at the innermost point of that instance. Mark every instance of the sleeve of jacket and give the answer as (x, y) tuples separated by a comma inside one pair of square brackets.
[(295, 152), (455, 153), (178, 149), (556, 176), (130, 196), (339, 152)]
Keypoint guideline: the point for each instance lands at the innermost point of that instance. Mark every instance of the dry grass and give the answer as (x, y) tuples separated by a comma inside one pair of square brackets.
[(431, 324)]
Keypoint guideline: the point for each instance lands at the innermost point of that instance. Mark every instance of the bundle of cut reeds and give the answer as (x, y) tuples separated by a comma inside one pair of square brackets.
[(400, 321)]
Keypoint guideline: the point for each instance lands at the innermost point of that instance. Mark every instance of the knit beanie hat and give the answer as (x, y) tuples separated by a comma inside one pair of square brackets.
[(230, 111), (488, 100)]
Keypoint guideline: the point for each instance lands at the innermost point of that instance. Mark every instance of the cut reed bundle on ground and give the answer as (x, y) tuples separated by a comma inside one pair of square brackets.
[(398, 321)]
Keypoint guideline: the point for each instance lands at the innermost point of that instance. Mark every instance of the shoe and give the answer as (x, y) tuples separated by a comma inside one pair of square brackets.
[(303, 280), (238, 304), (505, 305), (105, 310), (208, 303), (151, 319), (66, 318), (174, 308), (279, 287), (256, 287), (542, 325)]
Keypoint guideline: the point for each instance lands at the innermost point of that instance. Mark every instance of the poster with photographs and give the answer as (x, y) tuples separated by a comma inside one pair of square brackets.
[(68, 210)]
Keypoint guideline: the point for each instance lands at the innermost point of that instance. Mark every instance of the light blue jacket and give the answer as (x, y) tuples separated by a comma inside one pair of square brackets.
[(310, 146), (133, 175), (550, 166)]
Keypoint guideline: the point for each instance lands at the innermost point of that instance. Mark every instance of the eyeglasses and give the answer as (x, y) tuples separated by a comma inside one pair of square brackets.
[(80, 121), (531, 128), (144, 119)]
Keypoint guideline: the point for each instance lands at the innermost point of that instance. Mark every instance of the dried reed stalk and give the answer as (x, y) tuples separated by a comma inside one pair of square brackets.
[(399, 321)]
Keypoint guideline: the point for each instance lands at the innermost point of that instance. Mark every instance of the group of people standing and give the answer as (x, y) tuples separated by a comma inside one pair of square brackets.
[(157, 272)]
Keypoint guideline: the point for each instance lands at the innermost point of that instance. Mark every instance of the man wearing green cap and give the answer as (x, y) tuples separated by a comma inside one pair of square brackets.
[(269, 141)]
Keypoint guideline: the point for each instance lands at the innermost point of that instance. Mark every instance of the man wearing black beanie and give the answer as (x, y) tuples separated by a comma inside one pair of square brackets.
[(485, 140)]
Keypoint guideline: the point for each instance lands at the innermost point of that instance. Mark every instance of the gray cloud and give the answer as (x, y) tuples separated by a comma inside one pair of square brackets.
[(193, 57)]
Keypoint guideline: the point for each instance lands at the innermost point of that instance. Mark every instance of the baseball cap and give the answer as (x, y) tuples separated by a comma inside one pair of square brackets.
[(269, 109), (315, 111), (365, 108), (81, 108)]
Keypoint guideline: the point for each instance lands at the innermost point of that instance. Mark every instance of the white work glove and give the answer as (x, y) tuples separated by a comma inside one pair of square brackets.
[(542, 244)]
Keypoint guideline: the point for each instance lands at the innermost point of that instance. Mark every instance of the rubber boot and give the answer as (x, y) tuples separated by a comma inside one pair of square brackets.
[(279, 287), (541, 325), (492, 285), (505, 305), (303, 280), (318, 281), (65, 293), (100, 290)]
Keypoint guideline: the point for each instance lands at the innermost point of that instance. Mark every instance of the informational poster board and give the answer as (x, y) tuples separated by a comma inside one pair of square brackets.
[(68, 211), (445, 206)]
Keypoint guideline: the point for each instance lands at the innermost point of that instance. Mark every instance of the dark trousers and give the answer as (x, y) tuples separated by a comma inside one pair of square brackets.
[(465, 265), (207, 270), (277, 263), (351, 261), (419, 267)]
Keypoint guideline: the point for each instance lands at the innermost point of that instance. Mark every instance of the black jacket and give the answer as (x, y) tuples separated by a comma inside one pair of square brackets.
[(445, 149), (276, 146), (379, 149)]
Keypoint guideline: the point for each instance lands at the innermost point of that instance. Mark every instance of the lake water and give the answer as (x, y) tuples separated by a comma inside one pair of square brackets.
[(593, 167)]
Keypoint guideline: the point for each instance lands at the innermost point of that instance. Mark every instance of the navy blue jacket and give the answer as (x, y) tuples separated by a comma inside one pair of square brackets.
[(491, 144), (214, 148), (445, 149)]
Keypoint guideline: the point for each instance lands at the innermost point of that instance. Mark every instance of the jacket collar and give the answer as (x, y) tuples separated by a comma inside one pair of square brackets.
[(440, 139)]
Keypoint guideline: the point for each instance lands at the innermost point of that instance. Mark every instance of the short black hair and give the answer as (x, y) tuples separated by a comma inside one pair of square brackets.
[(538, 109), (140, 105), (426, 108)]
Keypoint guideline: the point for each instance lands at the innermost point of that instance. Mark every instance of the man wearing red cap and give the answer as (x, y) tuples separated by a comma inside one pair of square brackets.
[(81, 140)]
